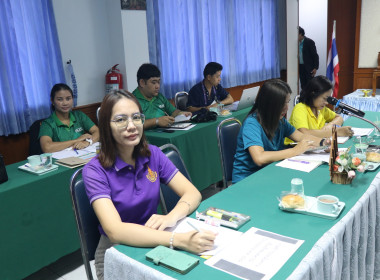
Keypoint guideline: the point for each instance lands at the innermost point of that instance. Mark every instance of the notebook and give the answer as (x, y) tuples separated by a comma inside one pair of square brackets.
[(72, 162), (247, 99)]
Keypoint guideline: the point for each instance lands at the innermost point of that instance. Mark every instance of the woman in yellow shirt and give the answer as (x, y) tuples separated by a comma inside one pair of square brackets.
[(311, 116)]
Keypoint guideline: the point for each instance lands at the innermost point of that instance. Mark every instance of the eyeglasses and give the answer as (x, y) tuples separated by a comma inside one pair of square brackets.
[(122, 121)]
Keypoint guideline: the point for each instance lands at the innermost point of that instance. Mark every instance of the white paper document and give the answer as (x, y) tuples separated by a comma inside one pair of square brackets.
[(257, 254), (86, 153), (342, 139), (300, 164), (181, 118), (362, 131), (224, 237)]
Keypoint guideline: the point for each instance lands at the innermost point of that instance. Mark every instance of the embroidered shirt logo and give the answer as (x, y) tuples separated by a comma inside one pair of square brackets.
[(161, 106), (152, 175), (79, 129)]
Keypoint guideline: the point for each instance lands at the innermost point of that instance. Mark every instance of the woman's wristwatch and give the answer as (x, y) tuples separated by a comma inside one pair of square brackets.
[(89, 141), (321, 143)]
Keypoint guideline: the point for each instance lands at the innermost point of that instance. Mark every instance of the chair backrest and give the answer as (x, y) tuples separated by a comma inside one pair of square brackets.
[(180, 100), (97, 114), (87, 222), (168, 197), (296, 100), (34, 141), (226, 133)]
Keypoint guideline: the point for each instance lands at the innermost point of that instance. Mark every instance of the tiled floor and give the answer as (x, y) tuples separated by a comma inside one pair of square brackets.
[(71, 267)]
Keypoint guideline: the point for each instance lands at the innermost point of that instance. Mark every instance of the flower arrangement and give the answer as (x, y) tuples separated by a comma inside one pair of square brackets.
[(345, 162)]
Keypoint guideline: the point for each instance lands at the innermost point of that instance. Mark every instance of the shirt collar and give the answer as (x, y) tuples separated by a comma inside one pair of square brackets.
[(58, 121), (311, 112), (120, 164), (140, 96)]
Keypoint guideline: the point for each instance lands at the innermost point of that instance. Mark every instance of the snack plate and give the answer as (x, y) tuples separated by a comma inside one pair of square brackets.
[(223, 116), (312, 210), (39, 171), (371, 166)]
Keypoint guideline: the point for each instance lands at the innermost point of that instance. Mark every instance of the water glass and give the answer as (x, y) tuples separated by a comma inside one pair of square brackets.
[(297, 186), (377, 133)]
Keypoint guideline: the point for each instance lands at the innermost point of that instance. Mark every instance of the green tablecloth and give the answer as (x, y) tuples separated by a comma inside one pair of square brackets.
[(37, 221), (256, 196), (199, 149)]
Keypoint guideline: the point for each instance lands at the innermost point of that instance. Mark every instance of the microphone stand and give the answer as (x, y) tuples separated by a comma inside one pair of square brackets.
[(348, 113)]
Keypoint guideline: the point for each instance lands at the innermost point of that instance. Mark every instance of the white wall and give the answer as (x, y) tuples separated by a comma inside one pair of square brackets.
[(292, 49), (135, 44), (369, 45), (85, 38), (313, 18)]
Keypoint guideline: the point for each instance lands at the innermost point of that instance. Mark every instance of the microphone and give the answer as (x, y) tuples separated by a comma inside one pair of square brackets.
[(344, 107)]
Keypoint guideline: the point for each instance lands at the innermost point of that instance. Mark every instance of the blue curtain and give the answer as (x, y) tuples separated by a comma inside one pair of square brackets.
[(184, 35), (30, 63)]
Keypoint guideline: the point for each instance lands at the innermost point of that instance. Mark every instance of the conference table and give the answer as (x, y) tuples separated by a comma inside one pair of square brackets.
[(38, 224), (344, 248), (198, 147)]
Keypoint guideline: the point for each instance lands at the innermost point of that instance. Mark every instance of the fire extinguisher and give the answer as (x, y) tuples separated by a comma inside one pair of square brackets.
[(114, 79)]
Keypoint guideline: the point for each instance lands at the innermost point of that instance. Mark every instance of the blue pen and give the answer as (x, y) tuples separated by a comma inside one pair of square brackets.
[(75, 150), (300, 161)]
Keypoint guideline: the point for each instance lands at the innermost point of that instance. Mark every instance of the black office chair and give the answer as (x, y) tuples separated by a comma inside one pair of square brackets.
[(34, 141), (97, 114), (180, 100), (168, 197), (87, 222), (226, 133), (296, 99)]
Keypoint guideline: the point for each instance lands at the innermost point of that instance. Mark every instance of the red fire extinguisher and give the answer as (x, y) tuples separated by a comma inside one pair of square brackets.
[(114, 79)]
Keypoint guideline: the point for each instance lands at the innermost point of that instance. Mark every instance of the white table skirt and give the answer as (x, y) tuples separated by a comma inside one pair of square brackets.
[(119, 266), (349, 250), (357, 100)]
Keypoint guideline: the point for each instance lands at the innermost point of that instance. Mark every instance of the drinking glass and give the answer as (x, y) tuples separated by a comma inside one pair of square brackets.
[(297, 186)]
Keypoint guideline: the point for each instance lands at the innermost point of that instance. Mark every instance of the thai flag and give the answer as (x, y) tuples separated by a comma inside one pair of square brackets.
[(333, 64)]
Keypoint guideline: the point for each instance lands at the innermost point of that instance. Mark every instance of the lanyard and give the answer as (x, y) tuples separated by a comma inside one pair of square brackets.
[(205, 93)]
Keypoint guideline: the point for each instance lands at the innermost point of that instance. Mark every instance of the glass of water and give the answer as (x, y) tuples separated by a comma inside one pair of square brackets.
[(297, 186)]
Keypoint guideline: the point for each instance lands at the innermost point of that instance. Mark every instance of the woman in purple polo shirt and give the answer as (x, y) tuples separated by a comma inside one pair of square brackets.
[(123, 185)]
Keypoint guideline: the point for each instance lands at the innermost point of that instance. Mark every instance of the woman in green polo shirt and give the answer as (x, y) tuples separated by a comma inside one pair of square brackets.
[(65, 128)]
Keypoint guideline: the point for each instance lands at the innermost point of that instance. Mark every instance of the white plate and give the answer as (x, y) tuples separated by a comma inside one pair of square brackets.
[(38, 172), (371, 166), (312, 210)]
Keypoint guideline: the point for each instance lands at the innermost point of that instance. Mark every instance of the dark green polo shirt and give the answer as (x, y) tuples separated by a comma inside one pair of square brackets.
[(155, 108), (80, 124)]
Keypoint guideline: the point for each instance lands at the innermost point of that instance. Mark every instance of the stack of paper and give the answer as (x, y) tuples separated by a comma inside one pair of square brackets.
[(257, 254)]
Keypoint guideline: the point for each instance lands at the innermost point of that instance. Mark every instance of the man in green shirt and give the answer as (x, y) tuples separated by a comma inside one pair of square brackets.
[(158, 111)]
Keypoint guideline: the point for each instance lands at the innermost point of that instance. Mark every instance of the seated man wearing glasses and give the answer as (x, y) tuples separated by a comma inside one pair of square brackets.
[(158, 111), (208, 93)]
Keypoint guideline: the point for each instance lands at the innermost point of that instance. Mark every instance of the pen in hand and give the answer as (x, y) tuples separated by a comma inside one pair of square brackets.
[(193, 226), (75, 150)]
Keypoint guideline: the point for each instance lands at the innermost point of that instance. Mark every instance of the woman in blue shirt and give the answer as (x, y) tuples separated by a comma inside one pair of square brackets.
[(261, 138)]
